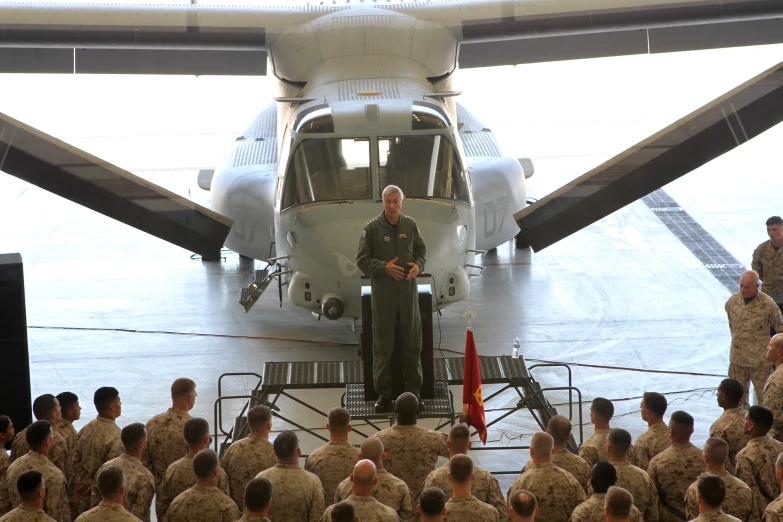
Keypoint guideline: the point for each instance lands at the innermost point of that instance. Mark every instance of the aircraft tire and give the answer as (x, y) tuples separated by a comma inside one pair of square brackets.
[(520, 241)]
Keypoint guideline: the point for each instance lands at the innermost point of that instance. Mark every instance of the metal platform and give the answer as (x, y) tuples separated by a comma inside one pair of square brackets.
[(442, 406)]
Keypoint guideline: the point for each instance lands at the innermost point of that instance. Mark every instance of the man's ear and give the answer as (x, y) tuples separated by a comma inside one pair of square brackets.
[(351, 477), (418, 508)]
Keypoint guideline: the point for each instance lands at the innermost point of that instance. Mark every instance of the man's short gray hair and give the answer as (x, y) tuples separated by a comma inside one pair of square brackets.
[(390, 189)]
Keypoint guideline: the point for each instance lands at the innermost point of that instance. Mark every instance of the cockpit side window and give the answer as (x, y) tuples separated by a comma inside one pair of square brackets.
[(328, 169), (422, 166)]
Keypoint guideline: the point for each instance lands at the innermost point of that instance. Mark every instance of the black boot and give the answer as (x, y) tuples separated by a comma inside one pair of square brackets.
[(382, 405)]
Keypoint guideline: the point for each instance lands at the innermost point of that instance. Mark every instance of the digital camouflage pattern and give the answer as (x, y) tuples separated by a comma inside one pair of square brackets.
[(178, 478), (575, 465), (332, 463), (166, 442), (485, 487), (98, 442), (389, 491), (774, 511), (556, 490), (5, 461), (412, 452), (758, 375), (715, 516), (750, 324), (651, 443), (756, 468), (202, 504), (26, 514), (592, 510), (468, 509), (729, 427), (768, 262), (672, 471), (297, 494), (639, 484), (245, 459), (368, 509), (739, 502), (139, 486), (56, 501), (69, 433), (593, 450), (773, 399), (58, 455), (254, 518), (107, 512)]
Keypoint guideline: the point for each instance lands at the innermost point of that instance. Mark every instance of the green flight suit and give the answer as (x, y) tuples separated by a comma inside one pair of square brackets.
[(393, 300)]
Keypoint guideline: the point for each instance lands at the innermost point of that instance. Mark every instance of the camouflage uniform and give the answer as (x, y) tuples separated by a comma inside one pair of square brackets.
[(592, 510), (139, 486), (575, 465), (412, 452), (593, 450), (56, 501), (672, 471), (253, 518), (768, 262), (715, 516), (368, 509), (297, 494), (107, 512), (556, 490), (26, 514), (202, 504), (165, 442), (729, 427), (774, 512), (749, 325), (332, 463), (485, 488), (245, 459), (179, 477), (69, 433), (639, 484), (773, 399), (468, 509), (58, 455), (98, 442), (739, 502), (650, 443), (756, 468), (5, 461), (389, 491)]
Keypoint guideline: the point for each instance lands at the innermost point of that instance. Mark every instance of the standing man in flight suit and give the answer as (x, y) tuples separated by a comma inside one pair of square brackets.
[(392, 252)]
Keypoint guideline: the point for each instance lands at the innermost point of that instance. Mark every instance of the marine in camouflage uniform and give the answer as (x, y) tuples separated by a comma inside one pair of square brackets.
[(768, 263), (412, 452), (297, 494), (639, 484), (468, 509), (26, 514), (750, 325), (593, 450), (58, 455), (69, 433), (107, 512), (389, 491), (557, 491), (774, 511), (380, 243), (245, 459), (729, 428), (98, 442), (252, 518), (5, 461), (165, 442), (139, 486), (178, 478), (773, 388), (756, 468), (575, 465), (715, 516), (651, 443), (672, 471), (592, 510), (485, 487), (739, 502), (332, 463), (203, 503), (368, 509), (56, 500)]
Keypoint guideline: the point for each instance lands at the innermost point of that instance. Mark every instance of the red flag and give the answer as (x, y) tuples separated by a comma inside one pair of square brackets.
[(472, 398)]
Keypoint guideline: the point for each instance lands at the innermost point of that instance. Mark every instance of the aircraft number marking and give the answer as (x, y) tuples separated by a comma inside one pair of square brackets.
[(491, 211)]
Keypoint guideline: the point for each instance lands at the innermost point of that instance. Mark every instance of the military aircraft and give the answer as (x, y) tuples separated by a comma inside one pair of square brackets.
[(367, 97)]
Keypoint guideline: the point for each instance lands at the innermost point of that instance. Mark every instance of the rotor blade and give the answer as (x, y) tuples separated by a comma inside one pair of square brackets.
[(714, 129), (62, 169)]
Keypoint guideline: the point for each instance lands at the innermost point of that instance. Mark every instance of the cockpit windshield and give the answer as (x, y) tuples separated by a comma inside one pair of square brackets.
[(424, 166), (328, 169)]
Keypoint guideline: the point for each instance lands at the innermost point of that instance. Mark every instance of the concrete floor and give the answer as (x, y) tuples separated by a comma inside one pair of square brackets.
[(108, 305)]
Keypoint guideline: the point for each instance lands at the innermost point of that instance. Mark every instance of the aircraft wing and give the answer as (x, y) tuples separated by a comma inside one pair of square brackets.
[(210, 37), (708, 132), (67, 171)]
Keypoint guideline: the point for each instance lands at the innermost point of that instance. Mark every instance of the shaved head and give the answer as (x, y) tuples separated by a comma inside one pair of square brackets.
[(459, 438), (716, 450), (364, 473), (372, 449), (777, 341), (407, 409), (541, 445), (560, 429)]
